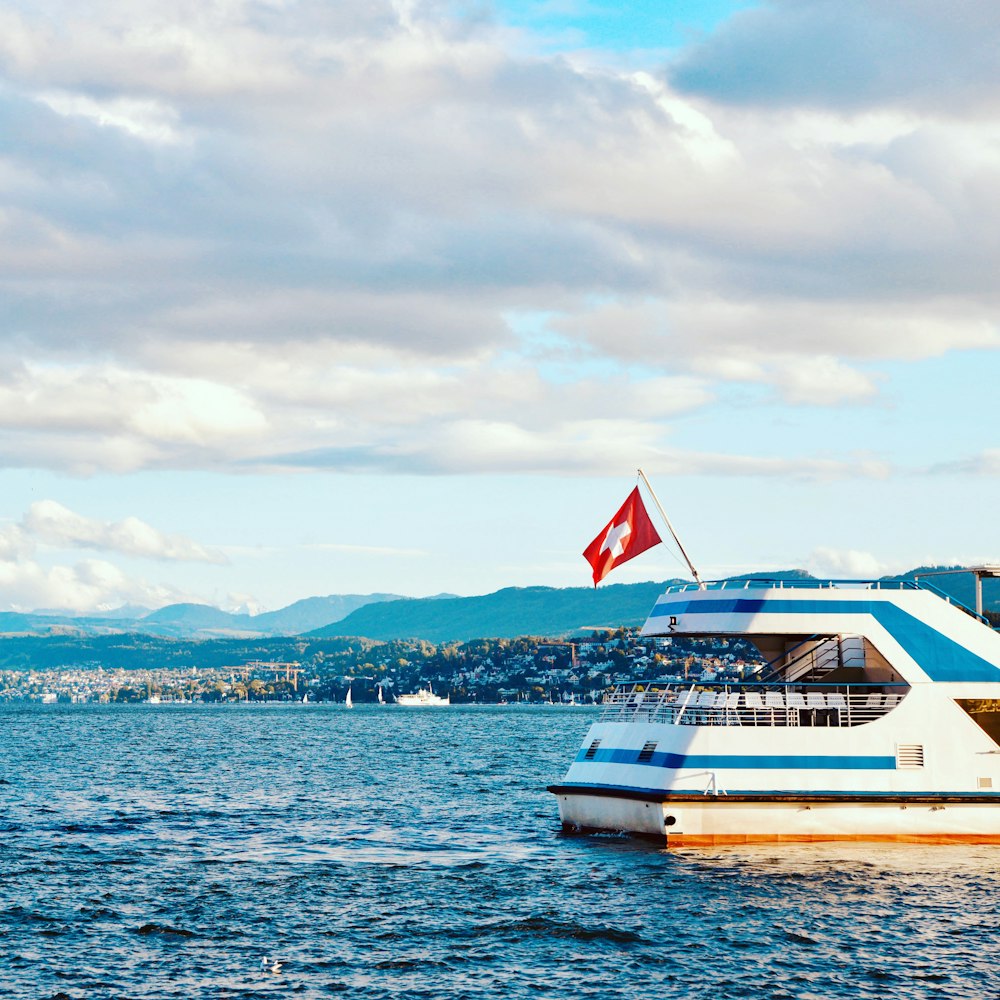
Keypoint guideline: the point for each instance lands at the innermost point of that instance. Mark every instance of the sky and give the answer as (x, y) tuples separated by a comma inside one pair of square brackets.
[(303, 298)]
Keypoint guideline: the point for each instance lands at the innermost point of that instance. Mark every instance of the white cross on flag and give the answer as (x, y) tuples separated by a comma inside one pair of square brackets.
[(627, 534)]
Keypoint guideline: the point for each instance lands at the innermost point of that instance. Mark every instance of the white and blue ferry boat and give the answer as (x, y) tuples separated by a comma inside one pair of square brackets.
[(876, 717)]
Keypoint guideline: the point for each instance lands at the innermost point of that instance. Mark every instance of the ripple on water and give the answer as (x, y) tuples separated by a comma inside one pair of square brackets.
[(385, 854)]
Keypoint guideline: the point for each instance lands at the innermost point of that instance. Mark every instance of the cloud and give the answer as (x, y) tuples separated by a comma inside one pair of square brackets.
[(592, 448), (375, 550), (28, 581), (14, 544), (986, 463), (87, 585), (851, 54), (845, 564), (816, 381), (146, 119), (251, 235), (50, 523), (85, 418)]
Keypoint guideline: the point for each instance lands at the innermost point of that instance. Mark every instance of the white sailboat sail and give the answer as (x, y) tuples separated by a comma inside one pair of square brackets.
[(348, 701)]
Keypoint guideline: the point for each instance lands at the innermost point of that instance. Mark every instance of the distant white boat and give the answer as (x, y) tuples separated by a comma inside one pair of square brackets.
[(381, 700), (348, 701), (422, 698)]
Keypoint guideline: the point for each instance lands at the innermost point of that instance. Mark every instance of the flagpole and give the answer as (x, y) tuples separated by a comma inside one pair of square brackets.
[(670, 528)]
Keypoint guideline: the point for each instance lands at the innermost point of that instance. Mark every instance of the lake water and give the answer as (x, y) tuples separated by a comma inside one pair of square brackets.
[(167, 851)]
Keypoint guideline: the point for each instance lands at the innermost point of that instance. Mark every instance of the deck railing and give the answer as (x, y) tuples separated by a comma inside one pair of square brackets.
[(747, 583), (752, 704), (807, 584)]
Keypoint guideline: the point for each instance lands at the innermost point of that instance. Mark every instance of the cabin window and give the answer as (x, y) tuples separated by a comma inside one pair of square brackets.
[(646, 753), (909, 755), (985, 713), (985, 782), (591, 750)]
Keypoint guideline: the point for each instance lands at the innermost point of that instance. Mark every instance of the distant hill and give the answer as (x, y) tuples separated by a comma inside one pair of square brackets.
[(192, 616), (18, 623), (550, 611), (202, 620), (959, 585), (192, 621), (314, 612), (127, 612), (504, 614)]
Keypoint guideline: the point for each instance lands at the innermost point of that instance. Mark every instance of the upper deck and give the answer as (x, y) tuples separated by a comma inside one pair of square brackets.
[(808, 583), (899, 630)]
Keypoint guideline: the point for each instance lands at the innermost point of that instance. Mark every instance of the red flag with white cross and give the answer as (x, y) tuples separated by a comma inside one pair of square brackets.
[(627, 534)]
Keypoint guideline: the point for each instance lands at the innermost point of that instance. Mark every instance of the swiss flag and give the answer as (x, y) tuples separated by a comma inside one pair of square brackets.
[(627, 534)]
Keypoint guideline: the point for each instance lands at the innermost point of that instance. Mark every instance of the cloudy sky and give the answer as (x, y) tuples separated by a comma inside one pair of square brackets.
[(306, 297)]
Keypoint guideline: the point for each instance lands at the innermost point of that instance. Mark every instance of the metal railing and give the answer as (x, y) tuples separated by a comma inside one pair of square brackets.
[(805, 584), (752, 704), (800, 584)]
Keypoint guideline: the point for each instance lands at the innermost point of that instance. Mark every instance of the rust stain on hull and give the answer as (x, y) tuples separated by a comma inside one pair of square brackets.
[(724, 839)]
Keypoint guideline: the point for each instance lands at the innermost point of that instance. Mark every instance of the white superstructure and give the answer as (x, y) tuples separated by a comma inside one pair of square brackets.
[(422, 698), (877, 717)]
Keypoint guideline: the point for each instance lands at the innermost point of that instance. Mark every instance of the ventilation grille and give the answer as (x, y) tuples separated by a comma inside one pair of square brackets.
[(985, 782), (646, 753), (909, 755), (591, 750)]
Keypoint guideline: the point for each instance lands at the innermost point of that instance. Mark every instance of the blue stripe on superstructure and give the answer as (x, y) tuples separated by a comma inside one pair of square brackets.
[(717, 606), (941, 658), (739, 761), (774, 606)]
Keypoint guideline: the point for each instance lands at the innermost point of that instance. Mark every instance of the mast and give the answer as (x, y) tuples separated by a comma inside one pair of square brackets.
[(670, 528)]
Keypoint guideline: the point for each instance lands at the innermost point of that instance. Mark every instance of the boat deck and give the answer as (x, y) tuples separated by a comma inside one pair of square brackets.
[(752, 704)]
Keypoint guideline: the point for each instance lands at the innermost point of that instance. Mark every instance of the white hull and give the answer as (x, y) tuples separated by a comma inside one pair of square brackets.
[(720, 820), (422, 699)]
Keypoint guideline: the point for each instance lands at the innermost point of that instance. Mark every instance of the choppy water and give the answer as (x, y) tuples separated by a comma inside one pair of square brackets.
[(163, 851)]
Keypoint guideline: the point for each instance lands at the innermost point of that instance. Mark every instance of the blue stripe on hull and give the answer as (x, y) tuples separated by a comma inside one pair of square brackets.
[(742, 761), (770, 795)]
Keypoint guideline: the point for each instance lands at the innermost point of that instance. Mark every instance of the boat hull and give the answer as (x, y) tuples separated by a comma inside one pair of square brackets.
[(875, 716), (710, 820)]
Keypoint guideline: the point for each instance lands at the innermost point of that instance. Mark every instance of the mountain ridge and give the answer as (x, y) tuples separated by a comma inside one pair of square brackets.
[(193, 621), (504, 613)]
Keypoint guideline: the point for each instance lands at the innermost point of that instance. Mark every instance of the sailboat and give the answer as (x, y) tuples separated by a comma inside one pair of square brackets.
[(381, 700), (348, 701)]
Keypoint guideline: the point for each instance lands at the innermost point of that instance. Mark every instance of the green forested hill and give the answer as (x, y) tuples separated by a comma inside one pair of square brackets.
[(504, 614), (959, 585), (550, 611)]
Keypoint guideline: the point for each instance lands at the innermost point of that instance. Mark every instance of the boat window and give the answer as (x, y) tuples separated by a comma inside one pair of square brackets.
[(985, 712), (591, 750), (646, 753)]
